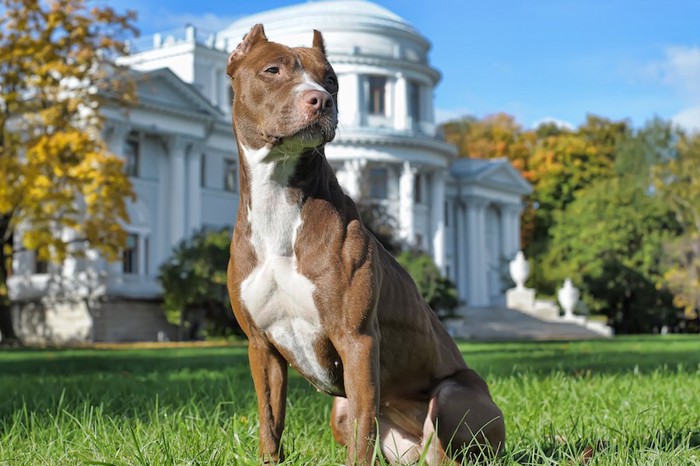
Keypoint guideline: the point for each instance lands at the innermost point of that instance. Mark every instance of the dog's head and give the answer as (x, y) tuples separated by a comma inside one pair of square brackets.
[(282, 95)]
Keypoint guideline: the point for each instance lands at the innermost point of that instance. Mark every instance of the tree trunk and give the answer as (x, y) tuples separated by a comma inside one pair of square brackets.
[(7, 331)]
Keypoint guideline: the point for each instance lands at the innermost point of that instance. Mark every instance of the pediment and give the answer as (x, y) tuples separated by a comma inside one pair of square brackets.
[(496, 173), (164, 89), (504, 175)]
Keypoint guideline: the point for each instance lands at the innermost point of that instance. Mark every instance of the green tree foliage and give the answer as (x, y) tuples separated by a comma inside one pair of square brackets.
[(438, 291), (194, 284), (610, 241), (678, 182), (562, 163), (56, 67)]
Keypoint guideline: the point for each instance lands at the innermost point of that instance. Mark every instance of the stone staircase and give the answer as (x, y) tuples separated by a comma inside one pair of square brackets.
[(500, 324)]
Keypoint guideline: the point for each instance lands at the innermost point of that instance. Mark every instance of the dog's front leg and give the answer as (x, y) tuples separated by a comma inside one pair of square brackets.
[(361, 373), (269, 370)]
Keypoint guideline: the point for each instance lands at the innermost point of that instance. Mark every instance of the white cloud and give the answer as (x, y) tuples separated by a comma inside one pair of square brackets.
[(681, 71), (688, 119)]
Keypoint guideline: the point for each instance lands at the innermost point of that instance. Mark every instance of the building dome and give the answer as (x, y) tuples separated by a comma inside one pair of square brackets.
[(350, 27)]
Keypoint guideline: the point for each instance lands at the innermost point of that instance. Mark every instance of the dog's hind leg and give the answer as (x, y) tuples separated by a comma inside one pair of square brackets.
[(464, 417), (339, 420)]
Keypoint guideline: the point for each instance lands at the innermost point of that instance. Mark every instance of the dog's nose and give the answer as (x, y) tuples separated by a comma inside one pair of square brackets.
[(318, 100)]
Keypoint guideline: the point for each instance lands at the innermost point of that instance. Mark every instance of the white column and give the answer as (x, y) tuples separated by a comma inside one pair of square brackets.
[(428, 124), (515, 243), (362, 100), (141, 253), (462, 252), (437, 217), (352, 177), (349, 100), (478, 269), (400, 103), (406, 187), (506, 232), (115, 136), (510, 223), (178, 202), (194, 189)]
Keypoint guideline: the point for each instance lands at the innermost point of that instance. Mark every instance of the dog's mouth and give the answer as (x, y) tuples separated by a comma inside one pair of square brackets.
[(319, 131)]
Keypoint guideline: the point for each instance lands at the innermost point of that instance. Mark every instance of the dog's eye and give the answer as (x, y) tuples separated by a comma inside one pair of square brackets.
[(331, 81), (273, 70)]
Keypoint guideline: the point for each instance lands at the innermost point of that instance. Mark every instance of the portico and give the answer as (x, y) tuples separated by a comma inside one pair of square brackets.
[(486, 198)]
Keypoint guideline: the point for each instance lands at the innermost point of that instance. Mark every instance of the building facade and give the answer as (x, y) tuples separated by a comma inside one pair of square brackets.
[(182, 158)]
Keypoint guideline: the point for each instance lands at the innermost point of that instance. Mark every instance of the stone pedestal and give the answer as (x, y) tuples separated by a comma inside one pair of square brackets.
[(523, 299), (520, 298), (53, 323)]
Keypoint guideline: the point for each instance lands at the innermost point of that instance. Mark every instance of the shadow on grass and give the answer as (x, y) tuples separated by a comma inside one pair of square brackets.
[(641, 355), (130, 383)]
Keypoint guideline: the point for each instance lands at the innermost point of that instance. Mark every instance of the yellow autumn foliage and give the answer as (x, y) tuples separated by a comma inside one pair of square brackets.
[(55, 172)]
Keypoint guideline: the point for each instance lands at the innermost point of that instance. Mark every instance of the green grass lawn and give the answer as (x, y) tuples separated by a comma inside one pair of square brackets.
[(629, 401)]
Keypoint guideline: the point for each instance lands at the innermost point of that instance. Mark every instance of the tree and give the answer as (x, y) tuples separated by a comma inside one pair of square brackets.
[(56, 72), (678, 183), (494, 136), (562, 163), (610, 241), (194, 284), (611, 238)]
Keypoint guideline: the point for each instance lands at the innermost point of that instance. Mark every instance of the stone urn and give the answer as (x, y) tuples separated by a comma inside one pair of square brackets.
[(568, 296), (519, 270)]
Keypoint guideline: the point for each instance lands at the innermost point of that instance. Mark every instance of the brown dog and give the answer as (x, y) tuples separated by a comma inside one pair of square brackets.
[(312, 288)]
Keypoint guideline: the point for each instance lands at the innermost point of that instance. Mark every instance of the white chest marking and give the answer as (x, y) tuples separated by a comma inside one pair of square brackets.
[(278, 297)]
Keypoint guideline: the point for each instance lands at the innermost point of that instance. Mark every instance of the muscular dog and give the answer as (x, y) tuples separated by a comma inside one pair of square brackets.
[(312, 288)]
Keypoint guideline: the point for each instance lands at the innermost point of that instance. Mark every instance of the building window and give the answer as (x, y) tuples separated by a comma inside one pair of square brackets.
[(378, 183), (41, 266), (419, 241), (130, 256), (203, 170), (418, 189), (377, 95), (132, 152), (230, 175), (414, 109)]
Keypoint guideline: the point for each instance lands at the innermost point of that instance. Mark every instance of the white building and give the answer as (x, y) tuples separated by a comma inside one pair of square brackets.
[(182, 156)]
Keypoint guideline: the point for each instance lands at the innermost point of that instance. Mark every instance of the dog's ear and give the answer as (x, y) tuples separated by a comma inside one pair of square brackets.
[(318, 43), (256, 35)]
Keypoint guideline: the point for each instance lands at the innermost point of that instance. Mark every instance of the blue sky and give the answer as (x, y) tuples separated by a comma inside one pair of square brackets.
[(536, 59)]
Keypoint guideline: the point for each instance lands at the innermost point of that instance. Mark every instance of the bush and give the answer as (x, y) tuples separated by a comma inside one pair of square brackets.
[(438, 291), (194, 284)]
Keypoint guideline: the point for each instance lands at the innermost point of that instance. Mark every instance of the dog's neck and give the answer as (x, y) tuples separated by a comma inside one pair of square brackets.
[(275, 184), (301, 175)]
